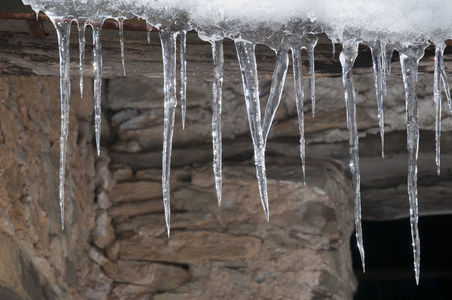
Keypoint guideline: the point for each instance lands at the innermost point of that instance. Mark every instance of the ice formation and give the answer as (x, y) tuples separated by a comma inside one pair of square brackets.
[(384, 25)]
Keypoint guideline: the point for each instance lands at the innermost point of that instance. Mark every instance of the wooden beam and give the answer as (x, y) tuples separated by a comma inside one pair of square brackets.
[(24, 54)]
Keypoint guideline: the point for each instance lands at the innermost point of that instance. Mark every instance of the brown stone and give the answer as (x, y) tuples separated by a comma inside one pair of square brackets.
[(161, 277), (103, 232), (136, 191), (112, 251), (136, 208)]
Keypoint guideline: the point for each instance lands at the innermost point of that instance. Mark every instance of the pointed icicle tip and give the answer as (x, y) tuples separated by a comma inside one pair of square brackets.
[(248, 66)]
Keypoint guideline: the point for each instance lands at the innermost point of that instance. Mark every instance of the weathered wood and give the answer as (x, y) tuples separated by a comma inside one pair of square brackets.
[(24, 54)]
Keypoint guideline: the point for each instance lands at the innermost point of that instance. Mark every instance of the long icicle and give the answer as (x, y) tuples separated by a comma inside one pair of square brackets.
[(168, 41), (183, 75), (248, 67), (409, 58), (218, 62), (347, 58), (299, 98), (311, 42), (379, 70), (278, 80), (81, 24), (63, 28), (97, 68), (437, 99), (121, 42)]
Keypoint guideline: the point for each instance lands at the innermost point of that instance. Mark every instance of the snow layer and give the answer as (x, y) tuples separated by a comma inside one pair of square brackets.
[(391, 20)]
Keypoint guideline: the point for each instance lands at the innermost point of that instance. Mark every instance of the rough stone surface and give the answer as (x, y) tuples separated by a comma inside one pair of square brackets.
[(231, 251), (38, 260), (103, 232)]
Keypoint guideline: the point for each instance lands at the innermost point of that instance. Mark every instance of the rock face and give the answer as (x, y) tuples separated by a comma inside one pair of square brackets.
[(38, 260)]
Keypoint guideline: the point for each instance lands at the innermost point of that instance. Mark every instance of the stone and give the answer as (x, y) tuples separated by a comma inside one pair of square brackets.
[(112, 251), (103, 201), (136, 191), (131, 292), (122, 173), (127, 210), (155, 276), (99, 284), (108, 266), (103, 233)]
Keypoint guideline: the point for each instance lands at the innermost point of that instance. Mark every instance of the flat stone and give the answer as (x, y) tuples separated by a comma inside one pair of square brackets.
[(127, 210), (136, 191), (161, 277)]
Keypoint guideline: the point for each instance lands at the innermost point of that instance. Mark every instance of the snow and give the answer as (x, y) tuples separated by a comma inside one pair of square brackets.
[(395, 20)]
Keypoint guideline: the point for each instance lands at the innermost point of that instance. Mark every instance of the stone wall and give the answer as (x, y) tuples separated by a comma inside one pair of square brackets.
[(37, 259), (214, 252), (227, 252)]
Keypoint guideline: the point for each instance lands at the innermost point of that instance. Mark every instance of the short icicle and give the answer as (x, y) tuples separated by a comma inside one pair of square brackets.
[(148, 31), (442, 70), (248, 67), (311, 42), (299, 98), (97, 68), (218, 62), (63, 28), (347, 58), (278, 80), (183, 75), (378, 62), (409, 59), (121, 42), (437, 98), (168, 41), (388, 56), (81, 25)]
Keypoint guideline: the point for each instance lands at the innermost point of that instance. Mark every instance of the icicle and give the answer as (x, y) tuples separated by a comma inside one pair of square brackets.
[(148, 31), (388, 54), (97, 68), (278, 80), (444, 75), (37, 14), (299, 97), (347, 58), (248, 67), (168, 41), (334, 47), (81, 42), (63, 28), (379, 70), (409, 58), (218, 61), (437, 99), (121, 41), (310, 45), (183, 75)]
